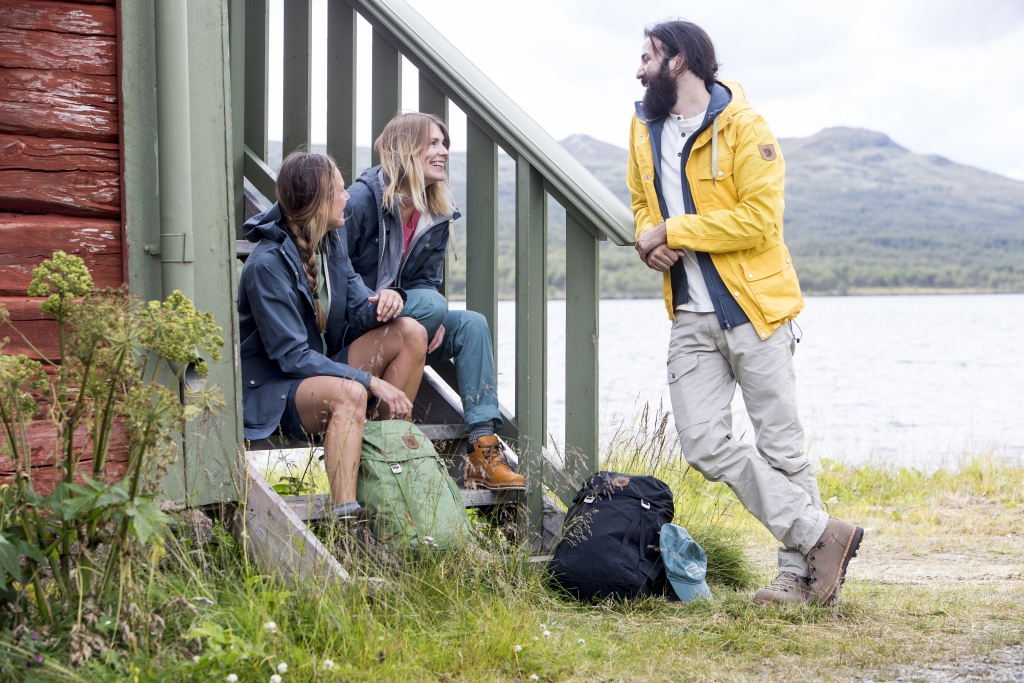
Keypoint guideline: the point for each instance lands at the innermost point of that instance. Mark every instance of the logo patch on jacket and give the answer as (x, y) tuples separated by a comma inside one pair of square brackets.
[(767, 152), (411, 442)]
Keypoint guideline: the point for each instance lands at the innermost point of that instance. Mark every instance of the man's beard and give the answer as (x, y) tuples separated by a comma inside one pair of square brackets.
[(661, 94)]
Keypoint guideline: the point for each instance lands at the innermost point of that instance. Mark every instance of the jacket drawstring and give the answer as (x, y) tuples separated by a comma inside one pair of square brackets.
[(451, 239), (714, 150)]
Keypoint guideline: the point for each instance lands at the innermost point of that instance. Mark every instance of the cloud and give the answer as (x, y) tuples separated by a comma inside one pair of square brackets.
[(938, 76)]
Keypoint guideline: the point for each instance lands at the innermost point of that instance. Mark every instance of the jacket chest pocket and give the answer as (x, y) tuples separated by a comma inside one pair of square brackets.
[(716, 186)]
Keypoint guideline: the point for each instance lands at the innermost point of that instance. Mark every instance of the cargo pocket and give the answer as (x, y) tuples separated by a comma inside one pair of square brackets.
[(773, 283), (685, 388)]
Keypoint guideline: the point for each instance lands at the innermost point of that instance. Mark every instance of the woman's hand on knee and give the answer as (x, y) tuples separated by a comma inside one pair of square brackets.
[(436, 341), (395, 398), (389, 304)]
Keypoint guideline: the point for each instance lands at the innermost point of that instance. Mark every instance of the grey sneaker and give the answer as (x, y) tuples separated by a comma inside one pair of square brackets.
[(787, 587), (829, 557)]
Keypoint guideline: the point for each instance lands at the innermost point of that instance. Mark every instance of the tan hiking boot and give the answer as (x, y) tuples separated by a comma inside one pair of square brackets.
[(787, 587), (827, 561), (486, 468)]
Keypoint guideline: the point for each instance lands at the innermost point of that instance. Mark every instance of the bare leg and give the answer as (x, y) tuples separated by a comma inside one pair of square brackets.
[(338, 407), (395, 352)]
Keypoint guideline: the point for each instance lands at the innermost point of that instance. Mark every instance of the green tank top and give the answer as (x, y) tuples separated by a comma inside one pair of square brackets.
[(324, 293)]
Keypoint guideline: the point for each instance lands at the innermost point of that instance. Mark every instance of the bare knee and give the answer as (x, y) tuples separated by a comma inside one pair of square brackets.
[(413, 334), (347, 396)]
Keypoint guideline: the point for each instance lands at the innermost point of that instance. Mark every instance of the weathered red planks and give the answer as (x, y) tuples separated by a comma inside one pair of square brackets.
[(62, 17), (26, 241), (72, 193), (28, 153), (48, 50), (42, 438), (40, 330), (58, 103)]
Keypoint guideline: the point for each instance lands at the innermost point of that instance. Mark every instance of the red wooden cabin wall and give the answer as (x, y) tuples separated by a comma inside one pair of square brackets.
[(60, 169)]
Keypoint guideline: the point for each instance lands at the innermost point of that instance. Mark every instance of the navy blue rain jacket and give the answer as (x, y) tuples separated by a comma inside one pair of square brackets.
[(280, 342), (375, 240)]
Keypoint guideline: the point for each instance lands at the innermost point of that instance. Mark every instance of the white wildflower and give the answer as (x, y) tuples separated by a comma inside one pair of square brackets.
[(543, 627), (231, 678), (282, 668), (536, 638), (275, 679), (518, 648), (195, 659), (534, 677), (582, 642), (270, 627), (546, 634), (428, 539), (328, 665)]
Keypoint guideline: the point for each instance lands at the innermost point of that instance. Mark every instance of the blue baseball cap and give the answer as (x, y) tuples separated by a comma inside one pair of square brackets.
[(686, 563)]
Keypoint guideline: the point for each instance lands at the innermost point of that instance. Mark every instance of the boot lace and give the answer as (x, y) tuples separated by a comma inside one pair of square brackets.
[(784, 581)]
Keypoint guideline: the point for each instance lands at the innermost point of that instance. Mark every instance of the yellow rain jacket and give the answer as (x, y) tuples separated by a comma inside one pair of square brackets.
[(736, 176)]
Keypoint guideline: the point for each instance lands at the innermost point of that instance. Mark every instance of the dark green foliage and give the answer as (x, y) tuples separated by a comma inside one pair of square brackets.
[(71, 552)]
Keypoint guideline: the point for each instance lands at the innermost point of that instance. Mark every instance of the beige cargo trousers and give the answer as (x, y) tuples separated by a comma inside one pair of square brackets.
[(774, 480)]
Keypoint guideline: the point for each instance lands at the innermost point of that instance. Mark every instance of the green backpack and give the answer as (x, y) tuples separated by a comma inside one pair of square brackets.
[(406, 490)]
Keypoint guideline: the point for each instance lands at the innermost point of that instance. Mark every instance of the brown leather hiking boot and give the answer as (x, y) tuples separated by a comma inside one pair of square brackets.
[(486, 468), (786, 587), (829, 557)]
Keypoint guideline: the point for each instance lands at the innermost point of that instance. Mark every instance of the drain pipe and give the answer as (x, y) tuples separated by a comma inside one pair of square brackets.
[(174, 148)]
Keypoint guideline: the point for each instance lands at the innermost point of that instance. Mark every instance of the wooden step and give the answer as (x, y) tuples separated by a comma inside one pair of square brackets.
[(317, 506), (434, 432)]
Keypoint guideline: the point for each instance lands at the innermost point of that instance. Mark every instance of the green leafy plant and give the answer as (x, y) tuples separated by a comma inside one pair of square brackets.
[(117, 387)]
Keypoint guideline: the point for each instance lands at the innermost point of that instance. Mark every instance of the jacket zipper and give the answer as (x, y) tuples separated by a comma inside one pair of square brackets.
[(415, 239)]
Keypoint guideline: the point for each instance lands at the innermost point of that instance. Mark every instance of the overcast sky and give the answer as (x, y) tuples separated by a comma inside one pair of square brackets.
[(938, 76)]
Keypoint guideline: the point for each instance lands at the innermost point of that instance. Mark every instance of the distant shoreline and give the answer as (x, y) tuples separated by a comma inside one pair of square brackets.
[(865, 291)]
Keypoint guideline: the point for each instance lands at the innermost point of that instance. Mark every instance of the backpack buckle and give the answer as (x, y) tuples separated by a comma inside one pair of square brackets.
[(644, 504), (395, 467), (588, 500)]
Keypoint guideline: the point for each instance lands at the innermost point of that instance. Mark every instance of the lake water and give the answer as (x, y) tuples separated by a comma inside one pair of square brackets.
[(912, 380)]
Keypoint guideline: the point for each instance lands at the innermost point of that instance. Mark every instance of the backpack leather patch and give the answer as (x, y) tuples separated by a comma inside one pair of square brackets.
[(767, 152), (411, 442)]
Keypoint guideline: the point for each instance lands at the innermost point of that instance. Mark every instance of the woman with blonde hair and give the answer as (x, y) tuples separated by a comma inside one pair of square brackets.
[(399, 223), (315, 341)]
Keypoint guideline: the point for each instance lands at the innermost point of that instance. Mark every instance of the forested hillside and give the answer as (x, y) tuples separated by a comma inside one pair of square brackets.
[(862, 214)]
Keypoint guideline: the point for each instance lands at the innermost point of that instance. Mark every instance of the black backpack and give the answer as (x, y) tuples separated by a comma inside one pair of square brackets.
[(609, 545)]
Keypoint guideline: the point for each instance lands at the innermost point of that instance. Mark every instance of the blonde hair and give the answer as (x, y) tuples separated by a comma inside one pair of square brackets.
[(305, 192), (399, 147)]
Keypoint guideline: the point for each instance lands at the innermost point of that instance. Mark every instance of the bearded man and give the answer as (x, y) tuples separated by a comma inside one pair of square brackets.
[(706, 178)]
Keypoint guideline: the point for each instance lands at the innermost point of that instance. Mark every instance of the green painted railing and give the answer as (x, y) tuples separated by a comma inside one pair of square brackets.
[(543, 167)]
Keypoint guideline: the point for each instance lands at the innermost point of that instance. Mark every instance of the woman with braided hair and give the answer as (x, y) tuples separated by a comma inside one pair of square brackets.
[(298, 302)]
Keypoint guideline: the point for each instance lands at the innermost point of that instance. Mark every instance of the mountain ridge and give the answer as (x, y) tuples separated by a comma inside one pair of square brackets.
[(863, 215)]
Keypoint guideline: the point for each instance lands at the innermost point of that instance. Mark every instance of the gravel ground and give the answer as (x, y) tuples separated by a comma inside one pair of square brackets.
[(1003, 665)]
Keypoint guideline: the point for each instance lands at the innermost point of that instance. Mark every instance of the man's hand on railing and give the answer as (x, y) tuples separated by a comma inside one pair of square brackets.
[(389, 304), (398, 403)]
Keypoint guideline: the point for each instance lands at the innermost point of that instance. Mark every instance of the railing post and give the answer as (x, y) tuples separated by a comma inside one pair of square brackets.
[(298, 39), (256, 77), (387, 87), (341, 87), (582, 282), (236, 29), (531, 342), (482, 227), (434, 101)]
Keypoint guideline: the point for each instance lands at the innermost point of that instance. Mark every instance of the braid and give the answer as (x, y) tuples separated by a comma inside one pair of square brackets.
[(305, 190), (308, 255)]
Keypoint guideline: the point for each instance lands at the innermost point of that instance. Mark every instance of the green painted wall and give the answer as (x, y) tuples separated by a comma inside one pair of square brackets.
[(205, 473)]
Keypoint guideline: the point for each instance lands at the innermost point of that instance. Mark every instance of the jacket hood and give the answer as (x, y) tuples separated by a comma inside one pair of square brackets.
[(265, 225), (724, 95)]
